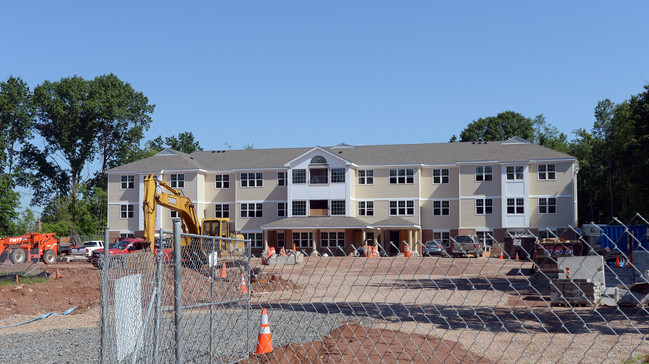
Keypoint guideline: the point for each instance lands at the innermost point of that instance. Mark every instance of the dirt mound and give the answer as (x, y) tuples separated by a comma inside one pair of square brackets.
[(272, 282), (78, 286), (352, 343)]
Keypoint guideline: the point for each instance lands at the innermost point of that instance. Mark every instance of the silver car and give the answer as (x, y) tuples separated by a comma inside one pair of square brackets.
[(433, 248)]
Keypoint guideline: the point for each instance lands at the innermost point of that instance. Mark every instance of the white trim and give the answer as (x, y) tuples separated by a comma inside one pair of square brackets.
[(289, 163)]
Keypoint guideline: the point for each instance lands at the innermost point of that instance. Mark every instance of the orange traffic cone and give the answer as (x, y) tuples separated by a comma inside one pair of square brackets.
[(244, 288), (294, 247), (501, 254), (630, 265), (264, 340), (57, 273), (567, 272), (617, 261), (516, 255), (224, 273)]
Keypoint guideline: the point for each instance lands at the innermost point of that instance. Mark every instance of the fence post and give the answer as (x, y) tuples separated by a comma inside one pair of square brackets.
[(104, 298), (158, 301), (178, 291)]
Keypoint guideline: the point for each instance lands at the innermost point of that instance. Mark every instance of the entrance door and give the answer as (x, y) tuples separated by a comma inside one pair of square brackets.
[(393, 248)]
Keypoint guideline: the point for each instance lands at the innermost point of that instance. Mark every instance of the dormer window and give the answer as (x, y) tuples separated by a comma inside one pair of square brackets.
[(318, 170), (318, 159)]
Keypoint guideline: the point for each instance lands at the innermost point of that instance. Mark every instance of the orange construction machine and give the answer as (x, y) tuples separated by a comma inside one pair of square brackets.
[(30, 246)]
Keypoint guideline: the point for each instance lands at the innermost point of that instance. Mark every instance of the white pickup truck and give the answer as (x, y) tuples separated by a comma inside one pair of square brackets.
[(87, 248)]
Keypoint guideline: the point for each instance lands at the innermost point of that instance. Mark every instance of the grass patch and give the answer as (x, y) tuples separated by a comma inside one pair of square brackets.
[(10, 280)]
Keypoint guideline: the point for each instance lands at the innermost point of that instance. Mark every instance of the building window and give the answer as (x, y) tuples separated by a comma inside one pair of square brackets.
[(128, 182), (547, 205), (369, 237), (252, 179), (222, 181), (127, 211), (547, 234), (515, 173), (281, 239), (337, 207), (299, 208), (173, 214), (485, 237), (318, 176), (222, 210), (281, 178), (178, 180), (366, 177), (332, 239), (365, 208), (401, 176), (281, 209), (337, 175), (442, 237), (402, 208), (251, 209), (547, 172), (303, 240), (256, 239), (484, 206), (299, 176), (483, 173), (515, 206), (441, 208), (440, 176)]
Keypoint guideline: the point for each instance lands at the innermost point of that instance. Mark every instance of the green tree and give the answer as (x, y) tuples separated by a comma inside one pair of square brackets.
[(122, 114), (549, 136), (16, 125), (183, 143), (503, 126)]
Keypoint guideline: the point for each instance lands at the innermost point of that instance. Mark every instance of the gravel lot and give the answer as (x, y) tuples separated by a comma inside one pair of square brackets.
[(487, 306)]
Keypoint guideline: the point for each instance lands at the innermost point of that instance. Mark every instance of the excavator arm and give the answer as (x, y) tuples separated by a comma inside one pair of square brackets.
[(171, 199)]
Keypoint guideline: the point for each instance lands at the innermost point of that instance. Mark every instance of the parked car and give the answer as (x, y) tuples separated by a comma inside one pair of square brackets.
[(465, 245), (124, 246), (433, 248)]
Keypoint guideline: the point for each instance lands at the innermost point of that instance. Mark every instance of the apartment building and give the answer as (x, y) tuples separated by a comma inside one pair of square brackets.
[(335, 199)]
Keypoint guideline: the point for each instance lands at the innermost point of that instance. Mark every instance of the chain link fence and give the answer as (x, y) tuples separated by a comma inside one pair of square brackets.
[(544, 300)]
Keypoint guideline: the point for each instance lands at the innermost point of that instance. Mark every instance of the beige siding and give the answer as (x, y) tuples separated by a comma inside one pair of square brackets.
[(562, 218), (382, 187), (116, 192), (441, 190), (470, 219), (119, 224), (254, 223), (213, 194), (382, 212), (269, 190), (430, 221), (469, 187), (190, 188), (562, 185)]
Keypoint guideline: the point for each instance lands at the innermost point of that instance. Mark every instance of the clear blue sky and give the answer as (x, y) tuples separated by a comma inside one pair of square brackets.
[(302, 73)]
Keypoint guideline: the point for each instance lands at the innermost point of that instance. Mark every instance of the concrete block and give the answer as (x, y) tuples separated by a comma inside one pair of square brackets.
[(286, 260), (616, 276), (582, 267)]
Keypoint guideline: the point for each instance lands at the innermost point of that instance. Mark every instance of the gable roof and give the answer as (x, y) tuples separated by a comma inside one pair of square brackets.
[(510, 151)]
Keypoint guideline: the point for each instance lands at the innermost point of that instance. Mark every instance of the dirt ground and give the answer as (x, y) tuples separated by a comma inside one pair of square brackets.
[(346, 280), (78, 286)]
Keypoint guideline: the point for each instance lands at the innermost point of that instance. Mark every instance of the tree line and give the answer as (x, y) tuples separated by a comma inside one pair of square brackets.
[(613, 155), (59, 139)]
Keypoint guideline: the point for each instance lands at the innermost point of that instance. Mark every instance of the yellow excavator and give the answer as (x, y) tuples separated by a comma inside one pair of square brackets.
[(173, 199)]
